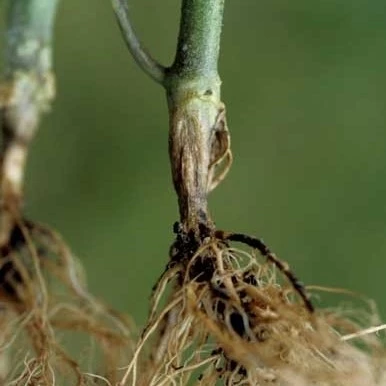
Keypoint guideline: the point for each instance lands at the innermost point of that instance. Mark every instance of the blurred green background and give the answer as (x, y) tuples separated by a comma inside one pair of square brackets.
[(305, 88)]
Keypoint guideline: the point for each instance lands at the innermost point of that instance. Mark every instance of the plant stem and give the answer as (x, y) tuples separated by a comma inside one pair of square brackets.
[(198, 133), (26, 92)]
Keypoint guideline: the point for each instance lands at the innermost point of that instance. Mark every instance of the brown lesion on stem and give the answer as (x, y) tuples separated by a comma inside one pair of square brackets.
[(23, 98), (198, 144)]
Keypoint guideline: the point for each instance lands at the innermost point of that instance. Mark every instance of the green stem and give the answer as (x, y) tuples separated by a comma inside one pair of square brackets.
[(27, 91), (199, 38)]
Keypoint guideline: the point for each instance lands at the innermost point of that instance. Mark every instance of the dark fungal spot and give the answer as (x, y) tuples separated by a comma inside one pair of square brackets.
[(237, 323)]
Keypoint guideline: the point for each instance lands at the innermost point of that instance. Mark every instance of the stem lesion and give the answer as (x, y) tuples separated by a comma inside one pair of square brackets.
[(26, 92), (196, 146)]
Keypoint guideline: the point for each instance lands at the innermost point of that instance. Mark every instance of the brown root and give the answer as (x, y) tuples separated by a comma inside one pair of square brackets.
[(46, 308), (230, 320)]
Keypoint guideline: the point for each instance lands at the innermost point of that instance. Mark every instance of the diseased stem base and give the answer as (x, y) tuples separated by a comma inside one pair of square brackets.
[(11, 185), (23, 98), (199, 146)]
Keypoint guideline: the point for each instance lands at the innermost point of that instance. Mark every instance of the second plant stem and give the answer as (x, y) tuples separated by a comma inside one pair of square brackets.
[(26, 92)]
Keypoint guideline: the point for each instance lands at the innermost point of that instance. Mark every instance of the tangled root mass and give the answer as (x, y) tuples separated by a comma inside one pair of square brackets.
[(230, 320), (45, 307)]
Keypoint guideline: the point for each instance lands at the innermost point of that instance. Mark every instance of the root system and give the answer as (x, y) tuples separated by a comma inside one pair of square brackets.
[(231, 320), (45, 308)]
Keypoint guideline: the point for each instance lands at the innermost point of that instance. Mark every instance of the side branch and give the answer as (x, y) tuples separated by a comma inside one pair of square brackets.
[(149, 65)]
